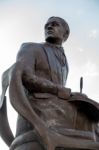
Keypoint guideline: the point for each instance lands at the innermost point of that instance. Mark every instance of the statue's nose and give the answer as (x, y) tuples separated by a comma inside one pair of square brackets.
[(49, 26)]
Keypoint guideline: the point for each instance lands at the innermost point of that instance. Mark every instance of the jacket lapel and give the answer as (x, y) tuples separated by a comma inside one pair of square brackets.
[(52, 62)]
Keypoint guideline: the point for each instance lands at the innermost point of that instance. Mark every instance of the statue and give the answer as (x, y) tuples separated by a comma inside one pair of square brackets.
[(50, 116)]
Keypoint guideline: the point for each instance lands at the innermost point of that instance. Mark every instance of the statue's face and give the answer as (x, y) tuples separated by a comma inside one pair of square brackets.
[(54, 31)]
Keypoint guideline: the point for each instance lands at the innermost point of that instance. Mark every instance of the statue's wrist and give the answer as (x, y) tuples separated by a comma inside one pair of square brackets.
[(63, 92)]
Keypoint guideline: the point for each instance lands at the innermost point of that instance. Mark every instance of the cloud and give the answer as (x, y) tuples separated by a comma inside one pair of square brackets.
[(93, 34), (90, 69), (80, 49)]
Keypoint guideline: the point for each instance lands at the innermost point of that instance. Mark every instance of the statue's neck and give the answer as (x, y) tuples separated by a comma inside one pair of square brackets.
[(54, 44)]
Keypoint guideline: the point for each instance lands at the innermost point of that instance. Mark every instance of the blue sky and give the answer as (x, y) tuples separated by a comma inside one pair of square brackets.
[(23, 21)]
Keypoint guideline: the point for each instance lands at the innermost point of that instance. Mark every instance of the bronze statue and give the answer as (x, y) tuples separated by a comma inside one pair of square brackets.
[(50, 115)]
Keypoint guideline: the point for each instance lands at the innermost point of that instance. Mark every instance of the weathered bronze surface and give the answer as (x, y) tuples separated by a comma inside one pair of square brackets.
[(50, 115)]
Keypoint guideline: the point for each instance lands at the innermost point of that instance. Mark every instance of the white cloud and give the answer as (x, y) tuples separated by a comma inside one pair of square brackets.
[(93, 34), (80, 49), (90, 69)]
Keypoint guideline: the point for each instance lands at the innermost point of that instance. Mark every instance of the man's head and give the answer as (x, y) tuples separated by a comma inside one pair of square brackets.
[(56, 30)]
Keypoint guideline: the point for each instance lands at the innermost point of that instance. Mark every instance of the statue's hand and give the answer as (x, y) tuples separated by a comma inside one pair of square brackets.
[(64, 93)]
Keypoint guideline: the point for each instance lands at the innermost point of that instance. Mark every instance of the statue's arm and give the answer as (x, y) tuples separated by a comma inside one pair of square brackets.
[(38, 84), (30, 80)]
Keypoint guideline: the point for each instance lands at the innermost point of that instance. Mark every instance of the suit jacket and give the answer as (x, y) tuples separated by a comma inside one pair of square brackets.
[(44, 62)]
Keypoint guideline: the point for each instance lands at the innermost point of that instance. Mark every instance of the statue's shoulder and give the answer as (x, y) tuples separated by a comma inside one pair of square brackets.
[(28, 48), (30, 45)]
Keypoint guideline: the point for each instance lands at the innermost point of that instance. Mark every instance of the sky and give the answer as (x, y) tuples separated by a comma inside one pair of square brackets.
[(23, 21)]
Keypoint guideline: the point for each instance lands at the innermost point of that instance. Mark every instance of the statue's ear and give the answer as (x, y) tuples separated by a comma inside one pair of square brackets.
[(66, 35)]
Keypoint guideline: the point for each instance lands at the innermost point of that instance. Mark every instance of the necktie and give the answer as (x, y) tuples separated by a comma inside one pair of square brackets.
[(59, 53)]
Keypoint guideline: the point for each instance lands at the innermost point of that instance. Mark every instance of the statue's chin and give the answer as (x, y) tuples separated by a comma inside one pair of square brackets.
[(52, 40)]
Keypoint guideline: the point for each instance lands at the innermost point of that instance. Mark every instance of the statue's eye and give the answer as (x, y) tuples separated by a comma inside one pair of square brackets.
[(55, 24)]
